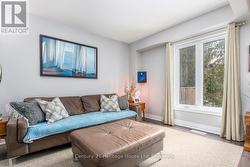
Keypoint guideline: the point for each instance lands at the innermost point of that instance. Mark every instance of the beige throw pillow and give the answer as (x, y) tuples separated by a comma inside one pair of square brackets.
[(54, 110), (110, 104)]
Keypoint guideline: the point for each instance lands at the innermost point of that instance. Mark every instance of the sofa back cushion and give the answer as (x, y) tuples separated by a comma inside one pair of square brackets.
[(92, 103), (73, 104)]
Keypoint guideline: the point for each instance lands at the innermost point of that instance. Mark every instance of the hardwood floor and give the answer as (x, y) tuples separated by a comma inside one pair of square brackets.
[(245, 157)]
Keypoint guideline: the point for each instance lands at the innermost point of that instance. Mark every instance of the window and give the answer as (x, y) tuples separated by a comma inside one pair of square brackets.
[(199, 73), (187, 75), (213, 64)]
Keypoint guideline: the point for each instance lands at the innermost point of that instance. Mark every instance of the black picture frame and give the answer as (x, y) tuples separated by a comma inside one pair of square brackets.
[(141, 76), (65, 76), (249, 58)]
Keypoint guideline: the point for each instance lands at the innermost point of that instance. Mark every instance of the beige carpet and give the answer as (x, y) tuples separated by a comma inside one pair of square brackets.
[(181, 149)]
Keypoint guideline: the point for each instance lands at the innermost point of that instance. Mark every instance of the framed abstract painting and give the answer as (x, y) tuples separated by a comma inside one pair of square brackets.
[(61, 58)]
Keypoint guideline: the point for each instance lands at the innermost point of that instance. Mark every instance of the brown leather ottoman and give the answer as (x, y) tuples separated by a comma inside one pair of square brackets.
[(118, 144)]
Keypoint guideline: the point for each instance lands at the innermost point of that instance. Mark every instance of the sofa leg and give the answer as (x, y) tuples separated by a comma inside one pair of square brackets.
[(160, 156)]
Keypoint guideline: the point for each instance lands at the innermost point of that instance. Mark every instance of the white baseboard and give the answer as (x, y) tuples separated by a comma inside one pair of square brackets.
[(198, 126), (153, 117), (192, 125)]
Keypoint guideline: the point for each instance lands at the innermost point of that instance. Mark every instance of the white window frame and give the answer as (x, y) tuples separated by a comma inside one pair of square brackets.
[(198, 42)]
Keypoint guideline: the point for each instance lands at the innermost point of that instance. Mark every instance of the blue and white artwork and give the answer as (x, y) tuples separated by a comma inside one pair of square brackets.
[(141, 76), (67, 59)]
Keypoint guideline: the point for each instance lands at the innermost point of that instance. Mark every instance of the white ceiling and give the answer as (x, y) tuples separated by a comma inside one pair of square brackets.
[(241, 9), (123, 20)]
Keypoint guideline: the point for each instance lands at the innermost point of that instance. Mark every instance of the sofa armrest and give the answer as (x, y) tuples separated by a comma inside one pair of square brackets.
[(14, 147), (22, 128)]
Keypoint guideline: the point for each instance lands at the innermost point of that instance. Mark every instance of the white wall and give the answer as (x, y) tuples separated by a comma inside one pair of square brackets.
[(199, 25), (19, 56), (153, 61), (244, 65)]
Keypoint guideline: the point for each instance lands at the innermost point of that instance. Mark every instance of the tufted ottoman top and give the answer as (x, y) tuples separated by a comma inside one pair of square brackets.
[(114, 139)]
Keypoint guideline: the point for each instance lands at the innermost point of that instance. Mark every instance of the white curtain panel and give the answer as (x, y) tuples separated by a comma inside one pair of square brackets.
[(169, 95), (232, 120)]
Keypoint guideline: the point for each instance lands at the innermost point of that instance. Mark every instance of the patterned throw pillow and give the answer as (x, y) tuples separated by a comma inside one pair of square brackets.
[(29, 110), (35, 115), (54, 110), (110, 104), (12, 112)]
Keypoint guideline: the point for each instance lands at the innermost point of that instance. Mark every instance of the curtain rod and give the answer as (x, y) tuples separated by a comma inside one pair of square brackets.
[(241, 23)]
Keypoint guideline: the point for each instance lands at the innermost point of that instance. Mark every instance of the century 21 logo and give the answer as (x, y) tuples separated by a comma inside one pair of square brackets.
[(13, 13)]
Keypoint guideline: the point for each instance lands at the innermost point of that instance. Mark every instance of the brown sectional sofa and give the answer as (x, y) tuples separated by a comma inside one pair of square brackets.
[(17, 128)]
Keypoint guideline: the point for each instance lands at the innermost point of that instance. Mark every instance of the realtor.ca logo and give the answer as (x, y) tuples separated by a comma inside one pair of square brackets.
[(14, 17)]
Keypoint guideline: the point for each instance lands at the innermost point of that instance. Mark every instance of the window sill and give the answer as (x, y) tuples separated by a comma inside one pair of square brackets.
[(207, 111)]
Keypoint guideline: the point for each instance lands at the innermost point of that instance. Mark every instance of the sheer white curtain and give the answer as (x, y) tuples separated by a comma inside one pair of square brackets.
[(169, 95), (77, 49), (44, 51), (59, 60), (81, 59), (49, 51), (232, 120)]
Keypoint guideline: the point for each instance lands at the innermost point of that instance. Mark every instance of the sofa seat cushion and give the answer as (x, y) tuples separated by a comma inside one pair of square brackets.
[(44, 129)]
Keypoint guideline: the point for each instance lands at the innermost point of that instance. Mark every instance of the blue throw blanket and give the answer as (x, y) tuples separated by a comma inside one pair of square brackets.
[(44, 129)]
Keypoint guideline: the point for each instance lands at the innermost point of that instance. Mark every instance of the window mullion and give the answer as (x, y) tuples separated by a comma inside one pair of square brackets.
[(199, 76), (177, 76)]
